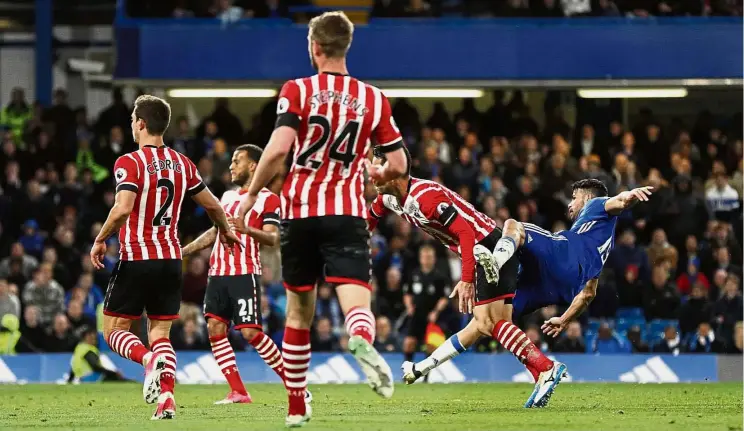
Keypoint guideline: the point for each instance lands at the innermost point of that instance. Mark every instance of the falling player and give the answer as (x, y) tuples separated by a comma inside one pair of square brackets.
[(233, 295), (448, 217), (151, 184), (329, 120)]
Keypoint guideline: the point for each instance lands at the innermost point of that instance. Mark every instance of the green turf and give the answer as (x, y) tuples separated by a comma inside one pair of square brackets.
[(355, 407)]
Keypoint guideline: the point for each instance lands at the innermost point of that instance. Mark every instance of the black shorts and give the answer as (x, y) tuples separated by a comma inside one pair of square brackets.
[(330, 248), (417, 326), (234, 299), (506, 288), (144, 285)]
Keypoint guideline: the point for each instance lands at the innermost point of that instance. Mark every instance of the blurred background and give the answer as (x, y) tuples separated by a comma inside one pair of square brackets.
[(506, 102)]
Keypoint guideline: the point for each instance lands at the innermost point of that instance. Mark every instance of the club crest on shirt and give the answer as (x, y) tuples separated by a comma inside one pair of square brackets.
[(282, 105), (413, 210), (442, 207), (391, 203), (120, 174)]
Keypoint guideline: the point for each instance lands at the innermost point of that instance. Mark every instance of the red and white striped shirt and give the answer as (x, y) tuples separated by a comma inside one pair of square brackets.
[(247, 260), (441, 213), (337, 118), (161, 178)]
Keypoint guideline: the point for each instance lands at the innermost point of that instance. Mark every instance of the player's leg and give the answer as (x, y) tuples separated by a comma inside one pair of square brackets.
[(163, 281), (345, 251), (247, 318), (218, 310), (302, 267), (122, 304)]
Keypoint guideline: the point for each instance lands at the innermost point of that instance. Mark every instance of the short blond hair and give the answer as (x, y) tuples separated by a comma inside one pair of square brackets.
[(333, 31)]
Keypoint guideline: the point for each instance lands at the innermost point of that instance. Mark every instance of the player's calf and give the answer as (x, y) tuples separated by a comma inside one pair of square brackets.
[(266, 349), (224, 355)]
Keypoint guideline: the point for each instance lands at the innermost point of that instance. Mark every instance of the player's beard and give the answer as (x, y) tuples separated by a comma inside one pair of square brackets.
[(242, 179)]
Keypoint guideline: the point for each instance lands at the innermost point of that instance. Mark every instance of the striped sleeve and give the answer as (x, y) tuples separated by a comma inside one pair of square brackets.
[(127, 174)]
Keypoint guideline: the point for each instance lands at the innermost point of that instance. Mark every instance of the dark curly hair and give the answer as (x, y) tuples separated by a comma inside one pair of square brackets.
[(591, 185)]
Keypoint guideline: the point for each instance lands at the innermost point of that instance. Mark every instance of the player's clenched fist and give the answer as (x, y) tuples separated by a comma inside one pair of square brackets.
[(465, 293)]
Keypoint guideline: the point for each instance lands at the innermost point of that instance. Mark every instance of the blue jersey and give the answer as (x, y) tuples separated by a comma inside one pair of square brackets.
[(593, 234)]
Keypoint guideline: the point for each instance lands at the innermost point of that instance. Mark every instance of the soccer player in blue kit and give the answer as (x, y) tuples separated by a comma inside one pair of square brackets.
[(561, 268)]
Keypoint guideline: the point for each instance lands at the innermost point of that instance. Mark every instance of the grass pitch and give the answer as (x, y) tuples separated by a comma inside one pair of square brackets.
[(354, 407)]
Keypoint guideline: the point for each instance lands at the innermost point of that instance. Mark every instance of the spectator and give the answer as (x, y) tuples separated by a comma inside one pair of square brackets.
[(696, 310), (87, 293), (705, 340), (660, 300), (323, 339), (33, 335), (465, 171), (273, 319), (60, 338), (723, 200), (636, 340), (572, 342), (9, 303), (59, 272), (76, 317), (660, 252), (189, 336), (32, 240), (669, 344), (728, 309), (609, 342), (737, 346), (627, 253), (385, 340), (44, 293), (326, 305), (687, 211), (630, 289), (692, 277), (15, 116), (28, 263)]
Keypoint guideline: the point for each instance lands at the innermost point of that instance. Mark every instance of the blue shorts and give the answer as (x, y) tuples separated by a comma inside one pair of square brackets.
[(551, 274)]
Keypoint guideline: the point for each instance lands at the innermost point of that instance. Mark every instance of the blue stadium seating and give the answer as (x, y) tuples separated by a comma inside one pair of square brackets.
[(656, 328), (622, 325)]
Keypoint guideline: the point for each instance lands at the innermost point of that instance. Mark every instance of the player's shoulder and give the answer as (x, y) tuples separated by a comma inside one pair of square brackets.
[(421, 188), (267, 194), (129, 157), (596, 206)]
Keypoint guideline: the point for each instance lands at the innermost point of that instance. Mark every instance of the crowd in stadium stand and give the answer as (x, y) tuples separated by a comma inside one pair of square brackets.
[(672, 284), (232, 10)]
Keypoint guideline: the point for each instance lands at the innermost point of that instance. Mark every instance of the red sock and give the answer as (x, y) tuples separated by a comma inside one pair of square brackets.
[(360, 321), (127, 345), (517, 342), (268, 351), (168, 376), (296, 354), (225, 357)]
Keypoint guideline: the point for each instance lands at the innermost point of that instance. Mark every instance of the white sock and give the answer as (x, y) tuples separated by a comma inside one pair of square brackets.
[(442, 354), (504, 250)]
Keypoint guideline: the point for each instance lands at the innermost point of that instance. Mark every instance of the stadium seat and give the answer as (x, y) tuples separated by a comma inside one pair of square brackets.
[(630, 313), (622, 325)]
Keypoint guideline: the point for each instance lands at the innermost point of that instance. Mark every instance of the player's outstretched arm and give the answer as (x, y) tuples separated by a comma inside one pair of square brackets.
[(203, 241), (625, 200), (556, 325), (117, 216), (214, 210)]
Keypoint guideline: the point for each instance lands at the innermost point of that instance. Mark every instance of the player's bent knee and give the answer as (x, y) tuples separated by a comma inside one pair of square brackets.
[(250, 333), (484, 325), (215, 327)]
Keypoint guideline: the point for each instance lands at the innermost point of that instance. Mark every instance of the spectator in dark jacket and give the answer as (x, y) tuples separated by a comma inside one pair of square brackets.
[(728, 309), (695, 311), (627, 253), (670, 343), (660, 300), (385, 341), (636, 341), (572, 342)]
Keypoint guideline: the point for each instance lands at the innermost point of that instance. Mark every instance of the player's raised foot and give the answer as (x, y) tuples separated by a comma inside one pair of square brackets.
[(548, 381), (410, 373), (235, 397), (378, 372), (154, 367), (296, 421), (485, 258), (166, 407)]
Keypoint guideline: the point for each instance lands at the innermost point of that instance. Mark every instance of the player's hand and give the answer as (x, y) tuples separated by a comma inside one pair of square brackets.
[(97, 254), (375, 171), (553, 326), (641, 194), (229, 239), (465, 293), (238, 225)]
